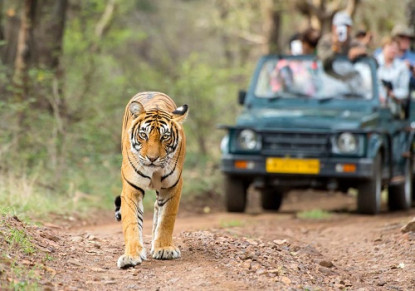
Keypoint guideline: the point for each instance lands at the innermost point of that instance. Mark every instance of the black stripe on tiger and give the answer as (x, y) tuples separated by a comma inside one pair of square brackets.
[(132, 185), (161, 203), (174, 138), (175, 164), (174, 185), (137, 170), (139, 217), (134, 131), (135, 187)]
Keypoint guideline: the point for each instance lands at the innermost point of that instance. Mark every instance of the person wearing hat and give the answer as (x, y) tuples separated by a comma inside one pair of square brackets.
[(404, 35), (339, 42), (394, 76)]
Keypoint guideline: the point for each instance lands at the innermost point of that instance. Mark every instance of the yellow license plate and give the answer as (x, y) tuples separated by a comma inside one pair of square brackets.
[(292, 166)]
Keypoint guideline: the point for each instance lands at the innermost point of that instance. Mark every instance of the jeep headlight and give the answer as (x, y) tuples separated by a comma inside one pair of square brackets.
[(248, 140), (347, 143)]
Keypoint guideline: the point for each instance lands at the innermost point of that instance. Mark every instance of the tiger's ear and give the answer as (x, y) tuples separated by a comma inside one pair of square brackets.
[(180, 114), (136, 108)]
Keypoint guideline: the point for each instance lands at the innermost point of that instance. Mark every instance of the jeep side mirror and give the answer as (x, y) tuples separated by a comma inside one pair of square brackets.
[(241, 97)]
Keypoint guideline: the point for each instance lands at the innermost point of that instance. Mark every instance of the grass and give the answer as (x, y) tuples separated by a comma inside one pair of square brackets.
[(17, 244), (231, 223), (23, 198), (315, 214), (18, 238), (24, 279)]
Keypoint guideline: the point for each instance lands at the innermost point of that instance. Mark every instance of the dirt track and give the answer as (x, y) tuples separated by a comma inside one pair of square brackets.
[(222, 251)]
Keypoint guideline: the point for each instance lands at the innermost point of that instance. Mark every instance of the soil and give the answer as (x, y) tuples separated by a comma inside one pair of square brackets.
[(226, 251)]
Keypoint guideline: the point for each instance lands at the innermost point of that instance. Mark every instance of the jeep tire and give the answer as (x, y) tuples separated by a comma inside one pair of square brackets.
[(271, 198), (235, 193), (369, 196), (400, 195)]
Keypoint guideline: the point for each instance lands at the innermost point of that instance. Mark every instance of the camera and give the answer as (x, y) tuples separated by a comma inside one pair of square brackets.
[(341, 31)]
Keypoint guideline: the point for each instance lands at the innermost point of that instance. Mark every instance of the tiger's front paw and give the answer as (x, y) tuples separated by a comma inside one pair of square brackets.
[(126, 261), (166, 253)]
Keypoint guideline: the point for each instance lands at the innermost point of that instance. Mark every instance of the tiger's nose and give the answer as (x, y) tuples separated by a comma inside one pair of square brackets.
[(152, 159)]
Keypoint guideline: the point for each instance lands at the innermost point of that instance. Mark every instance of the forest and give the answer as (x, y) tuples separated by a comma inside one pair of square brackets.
[(68, 68)]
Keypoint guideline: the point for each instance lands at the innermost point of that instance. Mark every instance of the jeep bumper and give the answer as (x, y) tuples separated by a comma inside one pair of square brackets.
[(328, 167)]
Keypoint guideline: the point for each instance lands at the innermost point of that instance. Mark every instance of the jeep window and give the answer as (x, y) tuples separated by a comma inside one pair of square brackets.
[(294, 78)]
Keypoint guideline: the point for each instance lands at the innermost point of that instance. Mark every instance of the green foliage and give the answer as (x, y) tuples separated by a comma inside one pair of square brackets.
[(231, 223), (315, 214)]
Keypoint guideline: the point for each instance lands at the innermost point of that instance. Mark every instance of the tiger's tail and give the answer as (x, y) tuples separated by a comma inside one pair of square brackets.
[(117, 203)]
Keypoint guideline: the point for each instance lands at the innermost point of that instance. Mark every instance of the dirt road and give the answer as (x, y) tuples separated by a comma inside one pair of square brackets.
[(221, 251)]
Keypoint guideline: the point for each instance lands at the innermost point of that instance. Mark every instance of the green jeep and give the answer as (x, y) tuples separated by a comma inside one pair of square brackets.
[(303, 126)]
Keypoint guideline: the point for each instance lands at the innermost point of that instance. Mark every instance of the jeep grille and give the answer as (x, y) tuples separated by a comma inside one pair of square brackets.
[(296, 144)]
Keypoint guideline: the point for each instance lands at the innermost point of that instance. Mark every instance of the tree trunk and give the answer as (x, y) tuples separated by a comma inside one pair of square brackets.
[(101, 28), (11, 32), (55, 31), (223, 9), (23, 49), (20, 74), (352, 7), (271, 26), (410, 15), (1, 21)]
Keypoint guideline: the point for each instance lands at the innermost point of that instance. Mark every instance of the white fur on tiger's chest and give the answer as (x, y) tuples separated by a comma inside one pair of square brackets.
[(160, 178)]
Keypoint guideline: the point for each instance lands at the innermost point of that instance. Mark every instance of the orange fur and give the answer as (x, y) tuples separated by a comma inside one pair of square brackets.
[(153, 147)]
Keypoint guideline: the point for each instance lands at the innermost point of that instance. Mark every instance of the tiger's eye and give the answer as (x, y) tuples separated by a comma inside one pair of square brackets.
[(165, 136), (143, 135)]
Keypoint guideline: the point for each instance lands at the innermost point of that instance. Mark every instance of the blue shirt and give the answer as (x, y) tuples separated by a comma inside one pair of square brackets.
[(408, 56)]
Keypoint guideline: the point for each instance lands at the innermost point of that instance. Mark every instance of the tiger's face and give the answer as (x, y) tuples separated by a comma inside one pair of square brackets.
[(155, 134)]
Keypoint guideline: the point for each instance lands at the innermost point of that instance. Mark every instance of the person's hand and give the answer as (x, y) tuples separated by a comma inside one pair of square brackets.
[(392, 96), (336, 44), (356, 52), (367, 39)]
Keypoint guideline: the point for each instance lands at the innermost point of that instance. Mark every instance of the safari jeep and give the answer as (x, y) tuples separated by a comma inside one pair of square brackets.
[(305, 126)]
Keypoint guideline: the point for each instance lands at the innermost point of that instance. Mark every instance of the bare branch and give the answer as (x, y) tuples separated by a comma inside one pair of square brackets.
[(254, 38), (106, 18), (352, 7)]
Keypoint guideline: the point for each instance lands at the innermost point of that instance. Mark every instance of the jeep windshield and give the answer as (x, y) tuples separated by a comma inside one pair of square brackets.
[(306, 78)]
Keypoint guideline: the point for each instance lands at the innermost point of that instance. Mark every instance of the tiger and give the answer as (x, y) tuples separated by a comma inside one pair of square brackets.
[(153, 145)]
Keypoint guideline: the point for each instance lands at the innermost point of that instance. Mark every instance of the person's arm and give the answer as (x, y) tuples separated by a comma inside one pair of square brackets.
[(325, 49), (401, 90)]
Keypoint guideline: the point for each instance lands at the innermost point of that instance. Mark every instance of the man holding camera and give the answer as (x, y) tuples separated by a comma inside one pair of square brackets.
[(339, 42)]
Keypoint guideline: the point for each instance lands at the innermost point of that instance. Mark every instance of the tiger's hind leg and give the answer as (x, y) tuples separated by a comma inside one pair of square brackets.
[(132, 225), (165, 211)]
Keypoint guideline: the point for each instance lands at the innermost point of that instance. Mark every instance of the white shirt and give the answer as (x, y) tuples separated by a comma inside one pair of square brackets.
[(397, 73)]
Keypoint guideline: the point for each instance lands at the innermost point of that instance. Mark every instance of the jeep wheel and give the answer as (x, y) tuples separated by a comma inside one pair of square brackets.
[(369, 196), (235, 194), (271, 198), (400, 195)]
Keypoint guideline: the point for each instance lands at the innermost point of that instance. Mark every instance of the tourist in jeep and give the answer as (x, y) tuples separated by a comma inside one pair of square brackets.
[(394, 77)]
